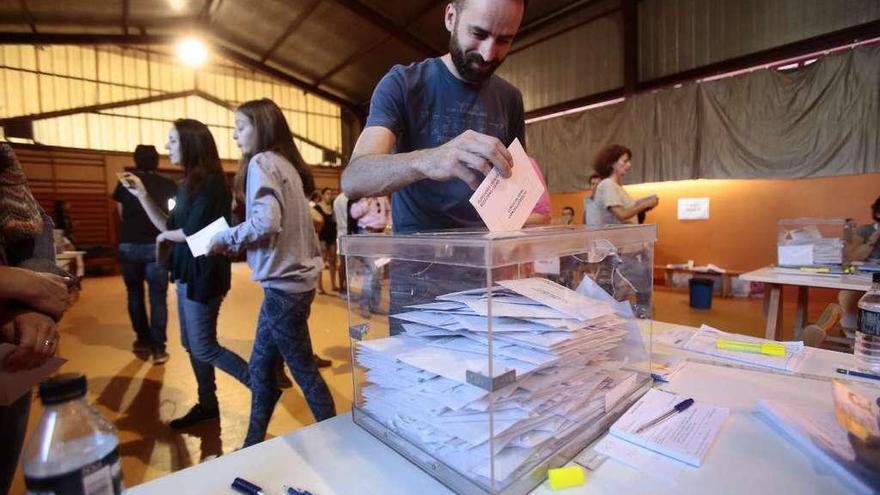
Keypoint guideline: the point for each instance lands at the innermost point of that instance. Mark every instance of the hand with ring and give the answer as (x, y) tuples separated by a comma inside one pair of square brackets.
[(36, 336)]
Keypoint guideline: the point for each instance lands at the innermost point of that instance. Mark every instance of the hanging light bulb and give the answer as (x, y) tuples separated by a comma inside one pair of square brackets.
[(192, 52)]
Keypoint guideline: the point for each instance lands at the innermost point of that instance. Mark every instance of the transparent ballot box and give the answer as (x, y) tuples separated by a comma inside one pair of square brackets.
[(486, 359), (811, 241)]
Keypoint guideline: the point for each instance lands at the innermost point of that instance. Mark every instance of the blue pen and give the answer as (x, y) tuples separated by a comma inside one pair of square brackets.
[(294, 491), (242, 485), (843, 371), (680, 407)]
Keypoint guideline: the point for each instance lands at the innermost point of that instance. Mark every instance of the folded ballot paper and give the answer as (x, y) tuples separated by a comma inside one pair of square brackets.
[(705, 340), (555, 367)]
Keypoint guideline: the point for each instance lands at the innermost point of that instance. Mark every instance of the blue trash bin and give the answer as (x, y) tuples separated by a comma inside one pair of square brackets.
[(701, 292)]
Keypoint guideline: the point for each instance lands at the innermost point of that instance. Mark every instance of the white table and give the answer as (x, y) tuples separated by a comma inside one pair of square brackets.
[(774, 281), (748, 457)]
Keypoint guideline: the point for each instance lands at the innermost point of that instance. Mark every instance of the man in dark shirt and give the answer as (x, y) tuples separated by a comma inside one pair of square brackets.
[(137, 256), (435, 129)]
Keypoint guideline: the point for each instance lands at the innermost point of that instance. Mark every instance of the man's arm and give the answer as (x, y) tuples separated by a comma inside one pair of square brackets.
[(153, 211), (373, 171)]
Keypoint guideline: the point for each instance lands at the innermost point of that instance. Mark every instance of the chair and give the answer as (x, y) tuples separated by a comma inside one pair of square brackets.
[(816, 334)]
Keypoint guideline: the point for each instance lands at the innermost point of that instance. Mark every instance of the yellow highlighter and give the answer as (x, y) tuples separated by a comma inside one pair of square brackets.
[(768, 348), (566, 477)]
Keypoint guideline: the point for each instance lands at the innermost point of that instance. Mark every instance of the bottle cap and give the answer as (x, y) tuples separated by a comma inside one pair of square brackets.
[(62, 388)]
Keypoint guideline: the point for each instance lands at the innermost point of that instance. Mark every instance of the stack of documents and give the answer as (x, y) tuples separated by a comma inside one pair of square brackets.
[(816, 251), (555, 357), (816, 432), (685, 436), (828, 251), (705, 341)]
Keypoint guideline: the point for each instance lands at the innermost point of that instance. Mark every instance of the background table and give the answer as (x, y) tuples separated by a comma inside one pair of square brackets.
[(774, 281), (724, 278), (749, 457)]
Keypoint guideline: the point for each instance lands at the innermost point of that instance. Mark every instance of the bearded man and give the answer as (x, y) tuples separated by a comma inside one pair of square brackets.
[(437, 127)]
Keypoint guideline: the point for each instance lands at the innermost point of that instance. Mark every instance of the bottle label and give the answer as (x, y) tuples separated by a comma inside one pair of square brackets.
[(103, 477), (869, 322)]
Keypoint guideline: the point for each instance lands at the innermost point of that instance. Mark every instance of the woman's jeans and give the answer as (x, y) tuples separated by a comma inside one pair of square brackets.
[(139, 265), (198, 334), (283, 329)]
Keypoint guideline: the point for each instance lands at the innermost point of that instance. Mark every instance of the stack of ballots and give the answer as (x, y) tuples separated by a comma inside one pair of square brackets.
[(828, 251), (559, 350)]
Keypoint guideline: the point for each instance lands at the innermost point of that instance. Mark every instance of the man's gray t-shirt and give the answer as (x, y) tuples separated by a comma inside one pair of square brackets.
[(425, 106)]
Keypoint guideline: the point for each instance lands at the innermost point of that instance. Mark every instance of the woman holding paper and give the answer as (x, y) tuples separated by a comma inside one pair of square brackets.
[(283, 252), (203, 281), (612, 163)]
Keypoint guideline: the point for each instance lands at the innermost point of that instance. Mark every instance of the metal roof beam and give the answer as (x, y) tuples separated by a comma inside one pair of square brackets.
[(28, 16), (375, 44), (382, 22), (293, 26)]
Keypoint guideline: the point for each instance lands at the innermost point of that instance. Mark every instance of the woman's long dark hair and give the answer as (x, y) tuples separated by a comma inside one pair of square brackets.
[(273, 134), (198, 153)]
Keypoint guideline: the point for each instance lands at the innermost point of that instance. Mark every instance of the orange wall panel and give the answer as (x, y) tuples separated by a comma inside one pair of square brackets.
[(741, 231)]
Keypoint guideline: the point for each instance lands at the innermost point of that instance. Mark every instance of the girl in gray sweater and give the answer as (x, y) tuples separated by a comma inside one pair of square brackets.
[(284, 256)]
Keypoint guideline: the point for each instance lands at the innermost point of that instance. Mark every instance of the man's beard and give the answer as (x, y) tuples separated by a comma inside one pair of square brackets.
[(470, 66)]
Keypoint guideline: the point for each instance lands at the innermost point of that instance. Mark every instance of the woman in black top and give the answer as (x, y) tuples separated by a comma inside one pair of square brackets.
[(327, 236), (202, 282)]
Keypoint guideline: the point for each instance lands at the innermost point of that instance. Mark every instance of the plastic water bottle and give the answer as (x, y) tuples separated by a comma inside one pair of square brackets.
[(73, 450), (867, 349)]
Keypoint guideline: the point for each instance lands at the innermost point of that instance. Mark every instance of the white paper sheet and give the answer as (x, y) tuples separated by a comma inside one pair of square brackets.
[(693, 208), (648, 462), (686, 436), (677, 336), (505, 204), (559, 297), (14, 384), (816, 433), (200, 241), (705, 339), (455, 364), (795, 255), (514, 310), (549, 266)]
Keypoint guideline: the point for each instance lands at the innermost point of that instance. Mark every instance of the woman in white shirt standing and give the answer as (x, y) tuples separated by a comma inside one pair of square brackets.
[(612, 163)]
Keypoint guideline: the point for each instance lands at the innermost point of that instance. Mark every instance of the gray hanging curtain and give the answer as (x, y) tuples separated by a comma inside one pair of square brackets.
[(821, 120)]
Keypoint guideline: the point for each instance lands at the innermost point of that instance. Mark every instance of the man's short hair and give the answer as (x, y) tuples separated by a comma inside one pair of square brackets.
[(568, 208), (146, 157), (459, 4)]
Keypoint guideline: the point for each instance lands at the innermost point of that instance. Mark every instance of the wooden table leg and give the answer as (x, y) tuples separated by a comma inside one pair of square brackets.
[(800, 316), (773, 311)]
